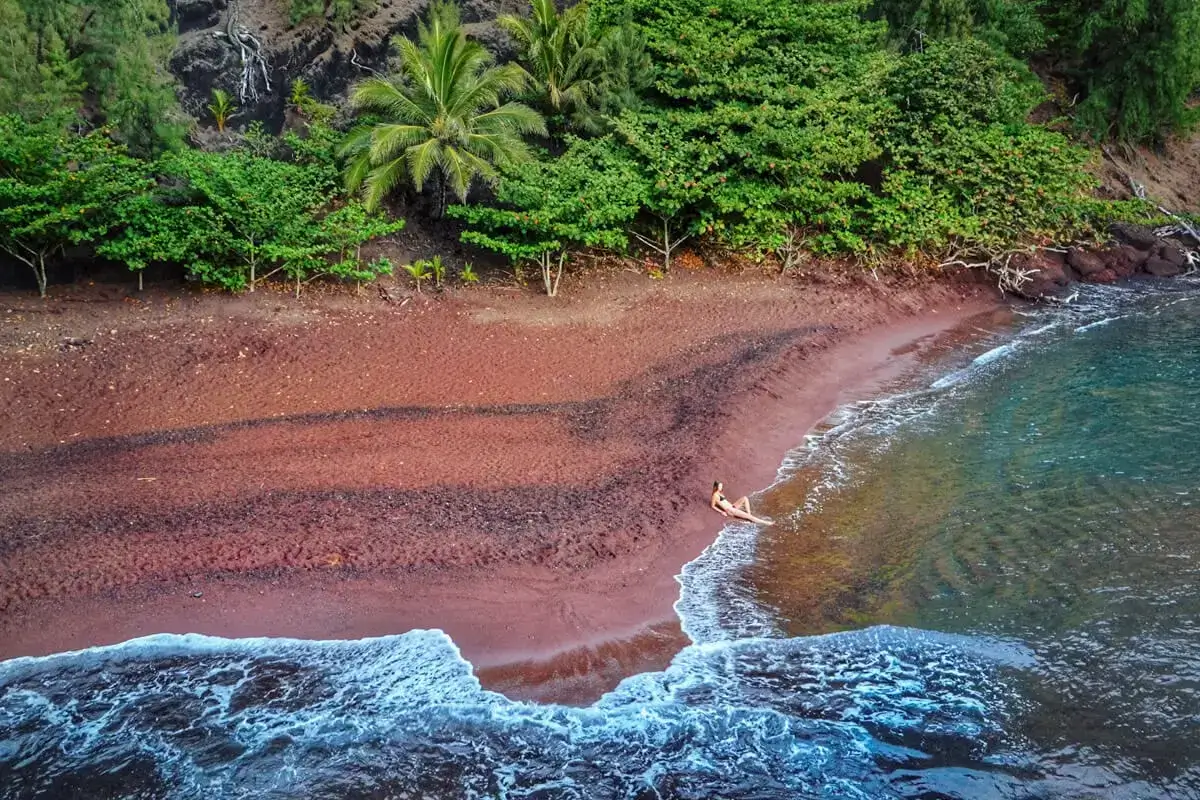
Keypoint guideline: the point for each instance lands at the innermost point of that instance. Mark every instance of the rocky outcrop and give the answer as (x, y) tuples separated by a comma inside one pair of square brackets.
[(1134, 250), (328, 60), (190, 15)]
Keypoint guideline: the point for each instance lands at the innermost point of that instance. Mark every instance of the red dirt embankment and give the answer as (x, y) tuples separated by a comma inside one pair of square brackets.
[(524, 473)]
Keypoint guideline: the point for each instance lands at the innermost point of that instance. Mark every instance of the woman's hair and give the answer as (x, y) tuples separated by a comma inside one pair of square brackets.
[(716, 485)]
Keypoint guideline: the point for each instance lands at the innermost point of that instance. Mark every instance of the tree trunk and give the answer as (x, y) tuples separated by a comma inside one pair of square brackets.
[(36, 261), (550, 283), (40, 272), (139, 280), (545, 264), (666, 247)]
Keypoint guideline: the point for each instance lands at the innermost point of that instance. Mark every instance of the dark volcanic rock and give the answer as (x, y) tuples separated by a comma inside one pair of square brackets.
[(1103, 276), (202, 62), (329, 60), (1161, 268), (1139, 236), (1037, 288), (1086, 263), (192, 14), (1124, 260), (1049, 266), (1172, 254)]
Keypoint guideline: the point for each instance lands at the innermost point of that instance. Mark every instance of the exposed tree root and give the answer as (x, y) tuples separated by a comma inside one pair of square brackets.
[(253, 59)]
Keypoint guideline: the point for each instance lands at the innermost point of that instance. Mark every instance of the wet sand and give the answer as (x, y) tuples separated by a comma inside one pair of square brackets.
[(526, 474)]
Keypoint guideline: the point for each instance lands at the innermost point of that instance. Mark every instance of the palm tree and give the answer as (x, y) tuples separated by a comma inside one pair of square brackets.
[(561, 54), (442, 112)]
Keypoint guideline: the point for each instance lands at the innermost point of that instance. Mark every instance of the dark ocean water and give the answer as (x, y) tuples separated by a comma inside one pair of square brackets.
[(985, 588)]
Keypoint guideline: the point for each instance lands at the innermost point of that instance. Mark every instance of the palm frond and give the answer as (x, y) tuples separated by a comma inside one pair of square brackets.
[(421, 160), (385, 96), (381, 181), (511, 118), (390, 140)]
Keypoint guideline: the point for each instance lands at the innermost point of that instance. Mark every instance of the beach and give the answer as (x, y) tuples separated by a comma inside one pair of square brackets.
[(528, 475)]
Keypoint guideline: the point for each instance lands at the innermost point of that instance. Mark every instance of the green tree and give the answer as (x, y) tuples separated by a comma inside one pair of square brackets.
[(161, 227), (338, 13), (255, 203), (59, 189), (627, 71), (137, 91), (580, 73), (586, 198), (561, 56), (443, 115), (1138, 64), (964, 164), (114, 52), (235, 219), (959, 84), (311, 248), (18, 57), (36, 87)]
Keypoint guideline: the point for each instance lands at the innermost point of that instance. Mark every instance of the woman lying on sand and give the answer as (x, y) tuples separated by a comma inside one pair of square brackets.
[(738, 510)]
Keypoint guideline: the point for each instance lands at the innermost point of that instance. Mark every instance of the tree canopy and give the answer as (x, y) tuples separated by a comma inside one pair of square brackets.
[(444, 115)]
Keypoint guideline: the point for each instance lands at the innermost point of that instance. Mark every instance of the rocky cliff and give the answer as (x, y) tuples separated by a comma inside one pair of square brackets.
[(250, 49)]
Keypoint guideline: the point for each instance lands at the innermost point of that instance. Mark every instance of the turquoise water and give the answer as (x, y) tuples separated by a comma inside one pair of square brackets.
[(983, 587)]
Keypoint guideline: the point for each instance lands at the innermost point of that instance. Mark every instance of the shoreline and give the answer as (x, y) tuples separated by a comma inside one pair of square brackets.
[(559, 614)]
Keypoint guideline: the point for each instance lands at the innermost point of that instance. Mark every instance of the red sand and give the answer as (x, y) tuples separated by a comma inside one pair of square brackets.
[(526, 474)]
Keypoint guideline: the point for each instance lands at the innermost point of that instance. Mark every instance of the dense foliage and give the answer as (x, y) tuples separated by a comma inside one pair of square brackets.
[(62, 57), (337, 13), (231, 219), (865, 129), (579, 74), (544, 209), (58, 190), (1133, 67)]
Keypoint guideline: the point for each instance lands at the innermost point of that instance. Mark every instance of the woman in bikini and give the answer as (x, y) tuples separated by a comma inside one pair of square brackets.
[(738, 510)]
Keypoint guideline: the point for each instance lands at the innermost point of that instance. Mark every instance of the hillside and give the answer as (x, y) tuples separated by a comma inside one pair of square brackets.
[(240, 140)]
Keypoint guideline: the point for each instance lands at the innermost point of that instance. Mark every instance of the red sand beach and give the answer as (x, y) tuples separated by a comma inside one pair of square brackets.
[(526, 474)]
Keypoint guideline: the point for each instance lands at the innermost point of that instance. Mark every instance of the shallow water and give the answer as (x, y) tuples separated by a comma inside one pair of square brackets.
[(979, 589)]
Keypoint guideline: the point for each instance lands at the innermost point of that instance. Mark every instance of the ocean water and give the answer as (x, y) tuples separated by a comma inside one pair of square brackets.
[(982, 586)]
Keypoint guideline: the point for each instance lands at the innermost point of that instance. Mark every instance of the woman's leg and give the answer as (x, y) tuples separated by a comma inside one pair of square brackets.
[(737, 513), (744, 505)]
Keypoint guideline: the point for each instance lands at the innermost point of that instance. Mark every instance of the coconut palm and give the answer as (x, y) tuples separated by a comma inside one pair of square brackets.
[(561, 55), (579, 73), (442, 113)]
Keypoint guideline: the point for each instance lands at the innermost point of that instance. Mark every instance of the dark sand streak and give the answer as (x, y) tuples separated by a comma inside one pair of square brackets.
[(217, 466), (255, 534)]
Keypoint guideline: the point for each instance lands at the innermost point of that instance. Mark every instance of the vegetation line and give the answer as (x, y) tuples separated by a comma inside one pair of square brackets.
[(781, 130)]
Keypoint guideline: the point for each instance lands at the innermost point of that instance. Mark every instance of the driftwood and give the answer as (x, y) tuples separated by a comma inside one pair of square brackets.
[(1009, 279)]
